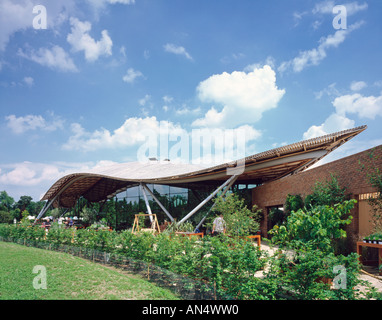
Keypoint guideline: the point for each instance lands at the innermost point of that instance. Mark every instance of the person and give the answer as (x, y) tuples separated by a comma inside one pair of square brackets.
[(218, 225)]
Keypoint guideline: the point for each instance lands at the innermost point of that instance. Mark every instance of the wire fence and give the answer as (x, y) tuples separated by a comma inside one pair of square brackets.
[(185, 287)]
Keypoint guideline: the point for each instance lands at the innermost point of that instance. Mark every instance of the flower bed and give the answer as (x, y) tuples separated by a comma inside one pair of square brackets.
[(375, 238)]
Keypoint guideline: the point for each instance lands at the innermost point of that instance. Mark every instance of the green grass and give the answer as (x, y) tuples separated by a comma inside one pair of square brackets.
[(68, 277)]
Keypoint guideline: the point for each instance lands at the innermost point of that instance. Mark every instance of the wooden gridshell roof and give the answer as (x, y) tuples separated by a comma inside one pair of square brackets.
[(103, 183)]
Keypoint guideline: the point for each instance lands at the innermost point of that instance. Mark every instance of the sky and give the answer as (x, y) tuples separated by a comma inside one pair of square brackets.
[(84, 84)]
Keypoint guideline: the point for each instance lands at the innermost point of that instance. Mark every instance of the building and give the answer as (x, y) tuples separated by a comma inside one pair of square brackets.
[(275, 173), (349, 174)]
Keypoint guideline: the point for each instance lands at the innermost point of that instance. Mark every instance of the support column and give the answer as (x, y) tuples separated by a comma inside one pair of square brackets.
[(200, 205), (222, 195), (147, 203), (158, 202)]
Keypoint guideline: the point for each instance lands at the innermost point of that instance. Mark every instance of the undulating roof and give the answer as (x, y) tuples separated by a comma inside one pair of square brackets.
[(100, 184)]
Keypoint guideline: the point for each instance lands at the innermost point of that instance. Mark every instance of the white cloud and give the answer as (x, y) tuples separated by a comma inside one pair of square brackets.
[(358, 85), (244, 97), (162, 139), (333, 123), (314, 56), (28, 81), (365, 107), (132, 132), (80, 40), (34, 173), (142, 102), (185, 110), (172, 48), (22, 124), (331, 90), (14, 16), (17, 15), (100, 4), (131, 75), (54, 58), (326, 7), (167, 99)]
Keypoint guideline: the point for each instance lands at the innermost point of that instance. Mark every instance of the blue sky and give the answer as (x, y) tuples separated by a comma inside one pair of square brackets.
[(86, 89)]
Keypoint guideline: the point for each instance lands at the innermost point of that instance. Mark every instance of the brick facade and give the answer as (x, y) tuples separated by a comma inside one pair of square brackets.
[(347, 170)]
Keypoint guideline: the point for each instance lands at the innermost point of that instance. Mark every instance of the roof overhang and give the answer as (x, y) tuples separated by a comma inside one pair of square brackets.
[(101, 184)]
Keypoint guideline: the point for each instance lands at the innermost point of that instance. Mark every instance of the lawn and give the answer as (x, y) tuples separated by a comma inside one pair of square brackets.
[(68, 277)]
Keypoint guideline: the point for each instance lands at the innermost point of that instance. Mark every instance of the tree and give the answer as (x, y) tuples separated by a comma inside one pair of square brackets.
[(24, 202), (293, 203), (320, 226), (326, 193), (89, 215), (240, 220), (6, 202), (5, 217)]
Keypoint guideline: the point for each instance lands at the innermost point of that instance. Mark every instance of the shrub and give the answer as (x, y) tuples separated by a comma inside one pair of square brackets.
[(320, 226), (5, 217), (326, 193), (240, 220)]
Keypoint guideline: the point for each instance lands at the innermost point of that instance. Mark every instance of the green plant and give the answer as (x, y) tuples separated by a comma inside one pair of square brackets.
[(374, 176), (5, 217), (175, 227), (327, 192), (240, 220), (293, 203), (320, 226), (276, 216)]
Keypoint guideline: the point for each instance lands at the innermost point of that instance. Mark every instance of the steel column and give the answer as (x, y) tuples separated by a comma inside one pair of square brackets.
[(222, 195), (147, 202), (158, 202), (200, 205)]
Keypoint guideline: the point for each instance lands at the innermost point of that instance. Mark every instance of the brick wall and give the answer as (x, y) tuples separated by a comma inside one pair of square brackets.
[(349, 175)]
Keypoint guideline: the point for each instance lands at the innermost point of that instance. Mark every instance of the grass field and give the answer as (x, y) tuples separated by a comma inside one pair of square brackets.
[(68, 277)]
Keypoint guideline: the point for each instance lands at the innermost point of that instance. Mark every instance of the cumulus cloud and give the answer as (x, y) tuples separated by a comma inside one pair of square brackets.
[(358, 85), (243, 95), (364, 106), (100, 4), (17, 15), (179, 50), (14, 16), (54, 58), (150, 137), (131, 75), (368, 107), (326, 7), (28, 81), (22, 124), (34, 178), (132, 132), (80, 40), (333, 123), (313, 57)]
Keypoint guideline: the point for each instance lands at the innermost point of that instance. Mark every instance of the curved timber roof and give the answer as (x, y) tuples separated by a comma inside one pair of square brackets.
[(98, 185)]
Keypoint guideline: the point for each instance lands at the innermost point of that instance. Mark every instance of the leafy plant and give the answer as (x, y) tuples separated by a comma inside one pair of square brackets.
[(240, 220), (327, 192), (293, 203), (320, 226), (374, 176)]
